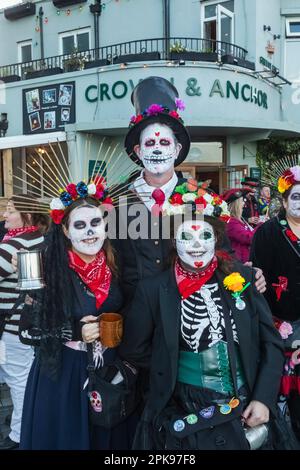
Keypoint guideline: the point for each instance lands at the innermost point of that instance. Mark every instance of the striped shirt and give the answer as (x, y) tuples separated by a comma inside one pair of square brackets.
[(9, 278)]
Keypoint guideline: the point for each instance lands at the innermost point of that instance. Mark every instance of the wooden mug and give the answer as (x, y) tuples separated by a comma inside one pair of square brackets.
[(111, 329)]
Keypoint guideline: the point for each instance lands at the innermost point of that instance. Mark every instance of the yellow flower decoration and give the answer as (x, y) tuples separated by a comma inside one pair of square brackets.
[(234, 282), (283, 185)]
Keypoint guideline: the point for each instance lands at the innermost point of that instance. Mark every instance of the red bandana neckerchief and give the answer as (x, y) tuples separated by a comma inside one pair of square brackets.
[(18, 231), (95, 275), (189, 282)]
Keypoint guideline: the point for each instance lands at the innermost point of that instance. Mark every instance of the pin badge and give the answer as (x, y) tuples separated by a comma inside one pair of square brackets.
[(240, 304), (225, 409), (234, 403), (179, 425), (192, 419), (207, 413)]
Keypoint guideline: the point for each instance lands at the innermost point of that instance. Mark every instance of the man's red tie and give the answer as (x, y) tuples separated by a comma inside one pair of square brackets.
[(159, 197)]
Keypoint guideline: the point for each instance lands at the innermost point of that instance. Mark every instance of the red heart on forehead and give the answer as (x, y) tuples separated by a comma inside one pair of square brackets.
[(196, 227), (198, 264), (157, 134)]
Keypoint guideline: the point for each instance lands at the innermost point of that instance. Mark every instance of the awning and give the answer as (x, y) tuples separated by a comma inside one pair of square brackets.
[(31, 140)]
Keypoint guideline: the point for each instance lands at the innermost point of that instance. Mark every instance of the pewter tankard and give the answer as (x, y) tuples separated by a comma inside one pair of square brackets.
[(256, 436), (30, 270)]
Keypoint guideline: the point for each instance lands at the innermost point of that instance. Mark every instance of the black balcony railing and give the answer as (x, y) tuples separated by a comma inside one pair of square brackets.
[(142, 50)]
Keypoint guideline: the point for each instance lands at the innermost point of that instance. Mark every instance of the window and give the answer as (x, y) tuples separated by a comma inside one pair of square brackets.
[(74, 41), (25, 51), (218, 21), (293, 27)]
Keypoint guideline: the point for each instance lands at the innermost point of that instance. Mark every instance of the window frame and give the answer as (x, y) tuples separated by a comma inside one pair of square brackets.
[(217, 17), (28, 42), (74, 33), (288, 21)]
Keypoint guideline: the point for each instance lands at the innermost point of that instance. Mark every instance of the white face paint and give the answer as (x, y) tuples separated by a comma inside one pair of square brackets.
[(293, 202), (158, 149), (86, 230), (195, 243)]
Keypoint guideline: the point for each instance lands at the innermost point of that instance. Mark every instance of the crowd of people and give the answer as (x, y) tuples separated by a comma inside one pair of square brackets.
[(211, 329)]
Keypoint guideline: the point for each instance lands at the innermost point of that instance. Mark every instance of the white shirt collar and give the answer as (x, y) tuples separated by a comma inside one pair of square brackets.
[(144, 190)]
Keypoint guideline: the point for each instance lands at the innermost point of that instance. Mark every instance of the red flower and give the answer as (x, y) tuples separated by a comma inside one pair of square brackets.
[(138, 118), (71, 188), (291, 235), (57, 215), (100, 180), (108, 203), (174, 114), (176, 199), (201, 202)]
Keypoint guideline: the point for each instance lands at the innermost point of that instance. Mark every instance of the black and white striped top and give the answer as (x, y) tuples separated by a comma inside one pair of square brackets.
[(9, 278)]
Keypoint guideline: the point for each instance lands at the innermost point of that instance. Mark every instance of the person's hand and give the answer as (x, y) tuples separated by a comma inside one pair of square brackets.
[(256, 413), (253, 220), (91, 330), (260, 282)]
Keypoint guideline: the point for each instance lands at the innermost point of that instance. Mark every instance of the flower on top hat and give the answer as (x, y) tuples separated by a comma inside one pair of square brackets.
[(202, 201), (157, 109), (72, 192)]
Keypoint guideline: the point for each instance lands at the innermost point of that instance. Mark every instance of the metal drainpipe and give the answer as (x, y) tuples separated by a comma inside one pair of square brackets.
[(167, 27), (95, 9), (41, 14)]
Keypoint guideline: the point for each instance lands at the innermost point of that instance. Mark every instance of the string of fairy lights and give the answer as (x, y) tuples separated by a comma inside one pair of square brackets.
[(71, 11)]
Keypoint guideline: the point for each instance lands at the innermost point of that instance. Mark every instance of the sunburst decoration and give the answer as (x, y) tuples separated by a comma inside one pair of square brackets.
[(50, 171)]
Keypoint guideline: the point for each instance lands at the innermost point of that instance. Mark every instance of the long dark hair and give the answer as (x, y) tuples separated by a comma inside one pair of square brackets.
[(56, 310), (225, 261)]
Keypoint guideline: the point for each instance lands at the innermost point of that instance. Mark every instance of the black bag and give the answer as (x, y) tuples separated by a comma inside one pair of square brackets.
[(110, 404)]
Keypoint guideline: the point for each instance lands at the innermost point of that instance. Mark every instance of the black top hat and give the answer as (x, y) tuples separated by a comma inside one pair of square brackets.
[(233, 194), (154, 100)]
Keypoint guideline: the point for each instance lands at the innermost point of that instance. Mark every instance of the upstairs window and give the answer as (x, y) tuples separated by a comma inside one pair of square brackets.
[(25, 51), (293, 27), (75, 41), (218, 20)]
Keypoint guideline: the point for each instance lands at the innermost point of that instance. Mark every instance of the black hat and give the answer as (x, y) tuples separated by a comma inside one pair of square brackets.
[(248, 181), (154, 100), (233, 194)]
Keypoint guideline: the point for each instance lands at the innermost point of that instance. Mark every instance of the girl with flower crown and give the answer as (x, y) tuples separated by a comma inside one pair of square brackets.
[(81, 283), (276, 249), (205, 335)]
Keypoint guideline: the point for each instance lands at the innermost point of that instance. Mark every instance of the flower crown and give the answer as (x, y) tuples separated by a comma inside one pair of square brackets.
[(288, 179), (203, 202), (156, 109), (96, 189)]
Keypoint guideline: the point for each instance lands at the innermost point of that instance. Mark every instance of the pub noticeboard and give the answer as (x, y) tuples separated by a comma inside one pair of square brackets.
[(48, 108)]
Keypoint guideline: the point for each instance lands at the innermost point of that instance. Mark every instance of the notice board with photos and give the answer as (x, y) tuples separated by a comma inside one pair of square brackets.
[(48, 108)]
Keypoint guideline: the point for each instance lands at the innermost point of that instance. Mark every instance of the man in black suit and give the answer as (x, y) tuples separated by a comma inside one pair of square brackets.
[(158, 141)]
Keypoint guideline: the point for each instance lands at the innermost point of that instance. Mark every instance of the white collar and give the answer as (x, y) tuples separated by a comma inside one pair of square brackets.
[(144, 190)]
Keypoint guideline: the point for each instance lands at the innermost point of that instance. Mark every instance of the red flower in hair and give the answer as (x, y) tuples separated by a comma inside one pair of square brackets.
[(176, 199), (71, 189), (291, 235), (57, 215), (174, 114), (201, 201), (100, 180), (108, 202)]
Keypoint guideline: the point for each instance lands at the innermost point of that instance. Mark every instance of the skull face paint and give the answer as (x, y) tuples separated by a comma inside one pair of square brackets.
[(293, 203), (86, 230), (158, 148), (195, 243)]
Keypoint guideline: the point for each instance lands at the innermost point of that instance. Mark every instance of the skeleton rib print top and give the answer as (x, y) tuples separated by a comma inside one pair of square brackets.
[(202, 319), (202, 312)]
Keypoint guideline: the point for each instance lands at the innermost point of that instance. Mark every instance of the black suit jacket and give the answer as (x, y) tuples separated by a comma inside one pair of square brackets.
[(151, 339), (276, 255)]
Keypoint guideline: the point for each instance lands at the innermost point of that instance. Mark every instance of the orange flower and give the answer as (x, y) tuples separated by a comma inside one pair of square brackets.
[(192, 185), (234, 282), (283, 184)]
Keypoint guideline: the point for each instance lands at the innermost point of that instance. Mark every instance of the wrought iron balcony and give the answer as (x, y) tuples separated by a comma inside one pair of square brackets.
[(144, 50)]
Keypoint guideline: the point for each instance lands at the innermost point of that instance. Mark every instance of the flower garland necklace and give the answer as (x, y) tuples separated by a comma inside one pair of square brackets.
[(236, 284)]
